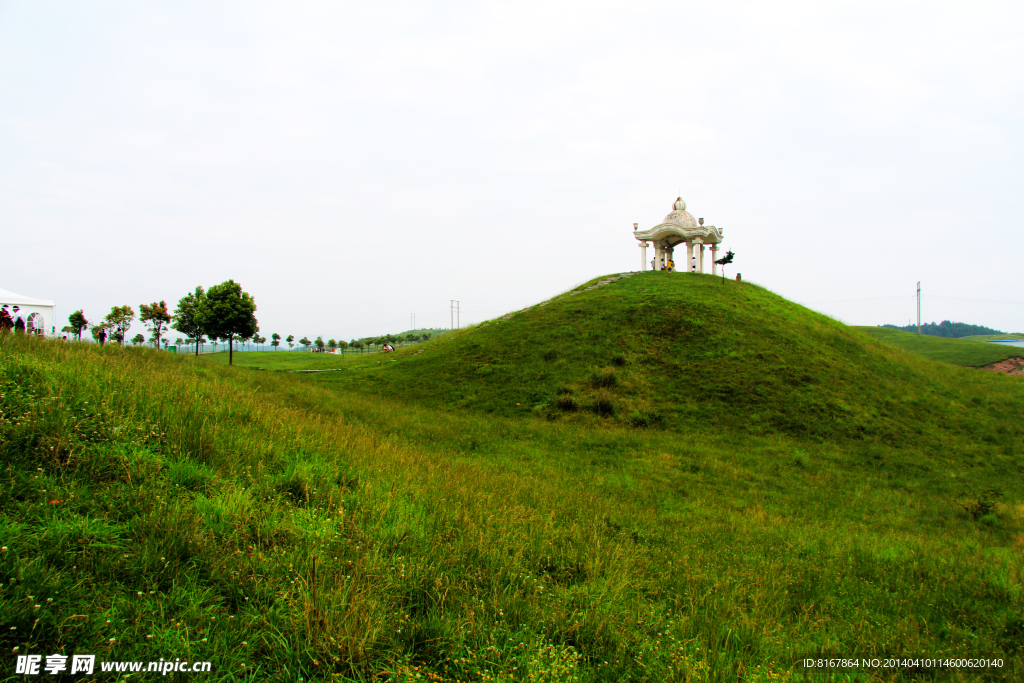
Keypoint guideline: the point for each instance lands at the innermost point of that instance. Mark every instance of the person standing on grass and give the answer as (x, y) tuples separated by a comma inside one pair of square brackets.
[(671, 265), (102, 336)]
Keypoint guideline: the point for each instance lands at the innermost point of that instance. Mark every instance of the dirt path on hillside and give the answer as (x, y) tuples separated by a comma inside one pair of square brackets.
[(1010, 366)]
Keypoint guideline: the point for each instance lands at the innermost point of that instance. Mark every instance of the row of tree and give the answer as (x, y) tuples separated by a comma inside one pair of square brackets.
[(224, 312), (948, 329), (333, 344)]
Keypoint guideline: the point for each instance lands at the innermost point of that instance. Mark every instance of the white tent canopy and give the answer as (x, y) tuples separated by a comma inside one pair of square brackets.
[(38, 315)]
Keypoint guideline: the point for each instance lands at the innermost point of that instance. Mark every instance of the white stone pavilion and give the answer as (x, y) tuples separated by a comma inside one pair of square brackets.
[(679, 228)]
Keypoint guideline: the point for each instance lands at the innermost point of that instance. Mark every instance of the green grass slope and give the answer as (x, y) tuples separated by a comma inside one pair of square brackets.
[(966, 352), (289, 526), (990, 337), (691, 352)]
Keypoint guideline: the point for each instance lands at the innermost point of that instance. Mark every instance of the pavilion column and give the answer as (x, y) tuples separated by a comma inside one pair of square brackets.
[(694, 263), (702, 258), (643, 256), (671, 256), (689, 255), (714, 257)]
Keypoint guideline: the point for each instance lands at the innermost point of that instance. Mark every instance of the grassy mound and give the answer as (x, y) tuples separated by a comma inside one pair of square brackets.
[(286, 527), (688, 352), (971, 353)]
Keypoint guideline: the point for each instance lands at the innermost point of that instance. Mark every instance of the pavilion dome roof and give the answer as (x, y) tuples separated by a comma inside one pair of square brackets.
[(680, 216)]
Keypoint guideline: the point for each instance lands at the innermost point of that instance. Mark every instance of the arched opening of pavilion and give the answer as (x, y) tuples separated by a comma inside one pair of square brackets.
[(679, 228), (33, 316)]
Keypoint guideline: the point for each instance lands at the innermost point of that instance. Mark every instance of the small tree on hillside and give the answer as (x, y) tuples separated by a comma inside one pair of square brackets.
[(119, 320), (275, 340), (155, 316), (332, 344), (305, 342), (724, 261), (319, 343), (78, 323), (343, 345), (185, 320), (357, 345), (290, 340), (228, 313), (138, 339)]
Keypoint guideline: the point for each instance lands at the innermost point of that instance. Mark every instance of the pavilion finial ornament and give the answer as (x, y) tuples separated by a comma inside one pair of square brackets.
[(679, 228)]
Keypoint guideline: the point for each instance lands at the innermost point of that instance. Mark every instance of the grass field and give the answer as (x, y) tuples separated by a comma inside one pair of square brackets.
[(990, 337), (967, 352), (331, 527)]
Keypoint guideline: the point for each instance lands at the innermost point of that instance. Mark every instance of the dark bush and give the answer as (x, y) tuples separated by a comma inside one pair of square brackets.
[(604, 378), (644, 418), (566, 402), (604, 403)]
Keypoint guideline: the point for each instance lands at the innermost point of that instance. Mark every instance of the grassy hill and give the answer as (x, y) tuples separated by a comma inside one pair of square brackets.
[(366, 525), (690, 353), (967, 352)]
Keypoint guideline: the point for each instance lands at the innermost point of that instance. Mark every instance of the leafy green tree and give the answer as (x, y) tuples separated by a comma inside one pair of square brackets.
[(260, 341), (185, 320), (275, 340), (357, 345), (319, 343), (343, 345), (118, 321), (78, 323), (305, 342), (290, 340), (138, 339), (332, 344), (155, 316), (228, 313)]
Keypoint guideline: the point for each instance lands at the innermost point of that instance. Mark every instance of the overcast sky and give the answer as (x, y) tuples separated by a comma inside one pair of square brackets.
[(353, 163)]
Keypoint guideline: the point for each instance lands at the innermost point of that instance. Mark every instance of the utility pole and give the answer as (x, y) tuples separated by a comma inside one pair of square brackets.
[(454, 310), (919, 307)]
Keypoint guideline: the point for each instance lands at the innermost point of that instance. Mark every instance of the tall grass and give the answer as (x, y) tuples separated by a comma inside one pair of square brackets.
[(284, 529)]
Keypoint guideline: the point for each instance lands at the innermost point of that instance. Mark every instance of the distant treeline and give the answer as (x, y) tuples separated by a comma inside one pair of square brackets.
[(948, 329)]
